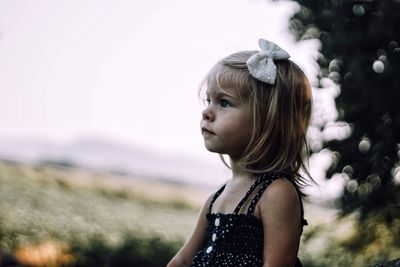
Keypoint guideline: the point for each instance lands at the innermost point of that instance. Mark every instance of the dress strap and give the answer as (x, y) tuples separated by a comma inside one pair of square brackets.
[(215, 197), (268, 178), (253, 186), (303, 221)]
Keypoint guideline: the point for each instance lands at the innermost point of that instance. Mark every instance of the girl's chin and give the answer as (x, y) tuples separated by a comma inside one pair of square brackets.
[(213, 149)]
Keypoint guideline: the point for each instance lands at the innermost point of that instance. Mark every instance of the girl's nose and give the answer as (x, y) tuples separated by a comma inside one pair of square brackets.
[(208, 114)]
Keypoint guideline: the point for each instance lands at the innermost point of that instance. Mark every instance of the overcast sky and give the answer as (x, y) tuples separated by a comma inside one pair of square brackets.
[(126, 70), (129, 70)]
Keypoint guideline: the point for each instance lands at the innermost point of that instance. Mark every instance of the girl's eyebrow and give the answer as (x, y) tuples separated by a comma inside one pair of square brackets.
[(221, 93)]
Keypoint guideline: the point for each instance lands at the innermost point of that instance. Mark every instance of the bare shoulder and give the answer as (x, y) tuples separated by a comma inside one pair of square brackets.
[(206, 203), (281, 197), (281, 190)]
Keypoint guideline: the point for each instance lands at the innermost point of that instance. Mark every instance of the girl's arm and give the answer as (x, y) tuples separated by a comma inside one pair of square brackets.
[(280, 213), (183, 257)]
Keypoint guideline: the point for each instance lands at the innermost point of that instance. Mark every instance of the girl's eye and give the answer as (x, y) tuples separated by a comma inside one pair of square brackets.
[(225, 103)]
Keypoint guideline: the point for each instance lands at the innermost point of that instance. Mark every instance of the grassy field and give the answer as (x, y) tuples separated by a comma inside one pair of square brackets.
[(39, 204), (74, 202), (64, 216)]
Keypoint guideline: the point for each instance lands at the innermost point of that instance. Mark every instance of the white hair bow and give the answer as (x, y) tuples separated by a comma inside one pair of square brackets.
[(261, 65)]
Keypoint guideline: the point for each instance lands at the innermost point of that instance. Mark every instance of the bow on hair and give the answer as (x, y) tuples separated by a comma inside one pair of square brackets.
[(261, 65)]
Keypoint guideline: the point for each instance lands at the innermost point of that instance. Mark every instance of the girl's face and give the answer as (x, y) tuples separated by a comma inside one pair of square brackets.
[(226, 122)]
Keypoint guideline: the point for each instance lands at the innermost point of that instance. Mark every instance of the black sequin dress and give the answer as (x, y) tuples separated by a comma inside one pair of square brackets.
[(237, 239)]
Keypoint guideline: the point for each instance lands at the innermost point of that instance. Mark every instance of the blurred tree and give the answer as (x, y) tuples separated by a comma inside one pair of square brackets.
[(360, 51)]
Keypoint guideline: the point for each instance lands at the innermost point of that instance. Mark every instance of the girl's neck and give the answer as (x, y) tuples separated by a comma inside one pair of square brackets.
[(238, 172)]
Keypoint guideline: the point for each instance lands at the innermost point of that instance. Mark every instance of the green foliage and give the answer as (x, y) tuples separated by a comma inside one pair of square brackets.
[(98, 228), (96, 251), (360, 51), (133, 251), (369, 242)]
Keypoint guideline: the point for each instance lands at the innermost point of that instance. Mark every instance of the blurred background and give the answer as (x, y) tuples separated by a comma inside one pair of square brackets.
[(101, 158)]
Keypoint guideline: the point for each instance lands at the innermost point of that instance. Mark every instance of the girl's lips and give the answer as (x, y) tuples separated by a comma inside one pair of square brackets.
[(205, 130)]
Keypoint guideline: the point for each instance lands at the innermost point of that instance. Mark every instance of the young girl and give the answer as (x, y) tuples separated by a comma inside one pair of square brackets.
[(258, 110)]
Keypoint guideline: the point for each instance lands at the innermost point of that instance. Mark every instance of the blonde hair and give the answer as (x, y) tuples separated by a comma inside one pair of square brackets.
[(280, 115)]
